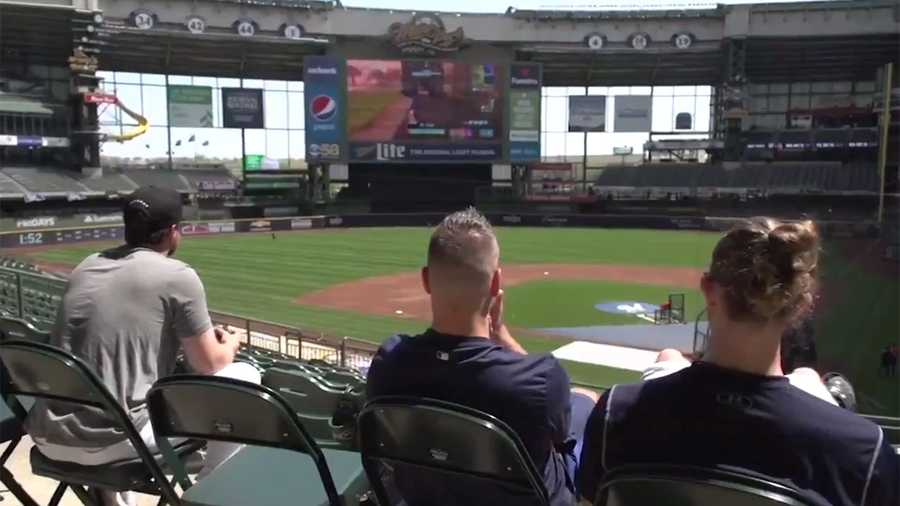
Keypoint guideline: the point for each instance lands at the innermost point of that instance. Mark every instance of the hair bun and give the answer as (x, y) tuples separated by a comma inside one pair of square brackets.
[(768, 268)]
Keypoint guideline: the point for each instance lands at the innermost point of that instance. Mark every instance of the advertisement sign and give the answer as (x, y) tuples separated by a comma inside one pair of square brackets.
[(221, 227), (324, 82), (301, 223), (400, 152), (525, 112), (242, 108), (587, 114), (38, 222), (633, 113), (190, 106), (260, 226), (195, 228)]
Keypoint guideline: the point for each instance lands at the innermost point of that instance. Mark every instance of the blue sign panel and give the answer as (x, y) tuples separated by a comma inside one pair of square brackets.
[(326, 104)]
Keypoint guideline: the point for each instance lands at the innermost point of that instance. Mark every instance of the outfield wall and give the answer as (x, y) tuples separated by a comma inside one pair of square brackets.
[(43, 237)]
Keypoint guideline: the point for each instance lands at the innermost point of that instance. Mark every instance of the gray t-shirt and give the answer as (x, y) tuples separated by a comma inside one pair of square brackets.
[(124, 313)]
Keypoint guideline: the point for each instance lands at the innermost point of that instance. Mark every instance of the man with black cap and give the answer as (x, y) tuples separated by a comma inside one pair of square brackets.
[(127, 312)]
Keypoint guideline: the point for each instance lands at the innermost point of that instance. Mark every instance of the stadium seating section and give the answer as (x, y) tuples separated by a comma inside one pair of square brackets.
[(793, 177), (28, 294), (19, 182)]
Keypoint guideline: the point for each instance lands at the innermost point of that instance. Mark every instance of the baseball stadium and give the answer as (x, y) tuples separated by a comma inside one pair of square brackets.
[(314, 150)]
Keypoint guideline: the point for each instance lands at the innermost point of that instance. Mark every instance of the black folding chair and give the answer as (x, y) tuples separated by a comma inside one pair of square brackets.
[(640, 485), (44, 372), (420, 451), (278, 466), (16, 329), (11, 432)]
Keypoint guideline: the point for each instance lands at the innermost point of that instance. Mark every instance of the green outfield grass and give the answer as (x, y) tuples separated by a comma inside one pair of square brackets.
[(858, 319), (256, 276)]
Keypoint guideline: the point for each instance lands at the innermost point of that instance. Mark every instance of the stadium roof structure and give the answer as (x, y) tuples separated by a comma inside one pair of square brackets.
[(802, 41)]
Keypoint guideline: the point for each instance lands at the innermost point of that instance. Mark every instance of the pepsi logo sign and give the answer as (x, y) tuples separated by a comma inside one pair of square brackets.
[(323, 108)]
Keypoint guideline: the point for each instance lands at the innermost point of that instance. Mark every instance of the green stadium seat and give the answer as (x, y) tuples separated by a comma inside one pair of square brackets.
[(447, 444), (16, 329), (304, 392), (284, 465), (691, 486), (44, 372)]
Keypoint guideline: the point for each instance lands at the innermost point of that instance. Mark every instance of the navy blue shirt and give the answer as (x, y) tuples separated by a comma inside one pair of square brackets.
[(530, 393), (713, 417)]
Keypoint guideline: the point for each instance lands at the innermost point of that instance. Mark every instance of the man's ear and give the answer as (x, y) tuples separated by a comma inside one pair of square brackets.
[(426, 284), (496, 282), (709, 289)]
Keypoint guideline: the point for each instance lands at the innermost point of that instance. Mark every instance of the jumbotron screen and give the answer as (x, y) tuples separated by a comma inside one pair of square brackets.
[(424, 102)]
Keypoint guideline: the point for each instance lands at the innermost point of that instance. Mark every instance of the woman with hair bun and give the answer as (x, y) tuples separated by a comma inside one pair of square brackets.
[(735, 409)]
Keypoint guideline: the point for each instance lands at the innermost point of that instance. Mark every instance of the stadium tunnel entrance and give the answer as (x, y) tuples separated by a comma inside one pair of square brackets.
[(432, 187)]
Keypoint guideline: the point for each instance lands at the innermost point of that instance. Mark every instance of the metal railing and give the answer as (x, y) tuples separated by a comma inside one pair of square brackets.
[(344, 351)]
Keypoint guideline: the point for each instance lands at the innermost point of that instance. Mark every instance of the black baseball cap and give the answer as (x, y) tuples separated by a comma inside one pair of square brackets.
[(150, 209)]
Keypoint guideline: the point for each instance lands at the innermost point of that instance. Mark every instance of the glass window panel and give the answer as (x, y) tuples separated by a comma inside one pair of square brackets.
[(556, 91), (682, 91), (108, 114), (800, 102), (557, 114), (154, 79), (598, 90), (575, 144), (663, 91), (297, 148), (640, 90), (59, 90), (575, 90), (204, 81), (843, 87), (598, 143), (759, 89), (778, 88), (217, 107), (276, 85), (778, 103), (555, 145), (683, 104), (128, 77), (41, 72), (255, 141), (758, 104), (662, 114), (276, 109), (295, 85), (704, 91), (229, 82), (277, 146), (800, 88), (865, 86), (179, 79), (130, 95), (224, 143), (296, 116), (620, 90), (254, 83), (822, 87), (59, 73), (701, 114), (155, 105), (106, 75), (863, 100)]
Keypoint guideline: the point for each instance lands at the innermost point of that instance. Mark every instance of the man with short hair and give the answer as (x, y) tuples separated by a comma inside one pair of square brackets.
[(469, 357), (127, 312)]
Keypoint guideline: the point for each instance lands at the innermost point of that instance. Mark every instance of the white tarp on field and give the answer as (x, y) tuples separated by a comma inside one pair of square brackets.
[(608, 355)]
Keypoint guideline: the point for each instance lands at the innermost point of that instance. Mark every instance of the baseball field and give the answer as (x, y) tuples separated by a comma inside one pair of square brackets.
[(364, 283)]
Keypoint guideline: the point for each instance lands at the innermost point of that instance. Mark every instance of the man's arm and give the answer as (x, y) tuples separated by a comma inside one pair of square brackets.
[(884, 487), (211, 351), (207, 349)]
